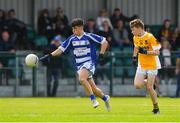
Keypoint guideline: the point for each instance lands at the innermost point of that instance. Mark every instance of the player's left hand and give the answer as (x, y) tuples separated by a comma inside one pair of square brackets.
[(101, 59), (142, 50), (134, 61), (45, 57)]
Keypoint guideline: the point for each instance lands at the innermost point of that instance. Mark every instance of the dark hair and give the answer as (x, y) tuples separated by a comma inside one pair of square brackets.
[(116, 9), (59, 9), (166, 20), (77, 22), (90, 19), (136, 23), (45, 11), (11, 10)]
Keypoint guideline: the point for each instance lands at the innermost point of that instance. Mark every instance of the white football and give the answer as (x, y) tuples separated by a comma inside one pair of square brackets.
[(31, 60)]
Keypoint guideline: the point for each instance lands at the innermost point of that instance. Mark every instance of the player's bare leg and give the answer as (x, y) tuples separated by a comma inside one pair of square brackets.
[(157, 85), (152, 93), (139, 81), (83, 75), (98, 92)]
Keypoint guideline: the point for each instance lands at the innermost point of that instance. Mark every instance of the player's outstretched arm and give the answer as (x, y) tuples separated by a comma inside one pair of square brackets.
[(57, 52), (104, 46), (134, 58), (135, 52)]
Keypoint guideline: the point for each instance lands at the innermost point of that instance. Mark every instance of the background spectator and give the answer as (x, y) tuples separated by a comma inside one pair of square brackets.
[(165, 30), (6, 43), (118, 15), (90, 26), (17, 29), (5, 46), (60, 22), (2, 19), (166, 53), (175, 40), (103, 16), (120, 34), (166, 71), (45, 25), (53, 67), (107, 33), (2, 15), (60, 16)]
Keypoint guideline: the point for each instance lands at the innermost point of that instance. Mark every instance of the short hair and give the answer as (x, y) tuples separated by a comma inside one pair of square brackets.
[(11, 10), (136, 23), (77, 22), (90, 19), (116, 9), (166, 20)]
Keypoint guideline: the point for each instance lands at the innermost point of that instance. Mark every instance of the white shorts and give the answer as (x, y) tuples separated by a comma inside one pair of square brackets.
[(146, 72), (89, 66)]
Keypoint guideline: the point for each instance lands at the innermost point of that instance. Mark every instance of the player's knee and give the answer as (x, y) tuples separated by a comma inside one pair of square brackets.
[(82, 80), (149, 87), (137, 86)]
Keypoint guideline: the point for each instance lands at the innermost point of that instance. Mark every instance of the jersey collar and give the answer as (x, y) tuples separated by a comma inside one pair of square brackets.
[(79, 37), (143, 34)]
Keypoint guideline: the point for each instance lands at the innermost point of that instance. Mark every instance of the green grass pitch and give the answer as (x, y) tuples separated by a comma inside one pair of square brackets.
[(124, 109)]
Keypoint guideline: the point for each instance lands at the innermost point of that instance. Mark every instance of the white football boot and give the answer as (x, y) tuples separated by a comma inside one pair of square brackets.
[(95, 103), (107, 103)]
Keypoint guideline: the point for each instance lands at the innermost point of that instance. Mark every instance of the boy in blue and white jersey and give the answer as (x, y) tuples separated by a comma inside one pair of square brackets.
[(83, 46)]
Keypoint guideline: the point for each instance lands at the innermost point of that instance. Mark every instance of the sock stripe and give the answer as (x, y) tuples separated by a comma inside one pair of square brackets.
[(104, 98), (92, 97)]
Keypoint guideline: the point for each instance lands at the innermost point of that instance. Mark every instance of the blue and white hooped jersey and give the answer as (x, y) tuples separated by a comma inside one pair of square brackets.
[(84, 47)]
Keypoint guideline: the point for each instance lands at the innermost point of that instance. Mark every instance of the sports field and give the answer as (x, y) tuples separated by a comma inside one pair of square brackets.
[(80, 110)]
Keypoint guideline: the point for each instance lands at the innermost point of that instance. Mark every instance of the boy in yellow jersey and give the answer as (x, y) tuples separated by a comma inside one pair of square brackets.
[(147, 50)]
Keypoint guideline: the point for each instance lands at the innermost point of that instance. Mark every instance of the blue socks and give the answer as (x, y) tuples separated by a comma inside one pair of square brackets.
[(104, 98), (92, 97)]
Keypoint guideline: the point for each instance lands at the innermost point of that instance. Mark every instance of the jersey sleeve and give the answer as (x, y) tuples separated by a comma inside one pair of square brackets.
[(65, 45), (98, 39), (154, 43)]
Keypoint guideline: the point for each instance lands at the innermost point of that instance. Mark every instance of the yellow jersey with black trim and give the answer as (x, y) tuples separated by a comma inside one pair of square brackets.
[(149, 42)]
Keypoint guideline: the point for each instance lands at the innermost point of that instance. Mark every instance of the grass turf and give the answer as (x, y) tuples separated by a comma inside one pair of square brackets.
[(124, 109)]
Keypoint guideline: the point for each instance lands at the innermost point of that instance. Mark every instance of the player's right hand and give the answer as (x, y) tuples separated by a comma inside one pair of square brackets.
[(101, 59), (142, 50), (45, 57), (134, 61)]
